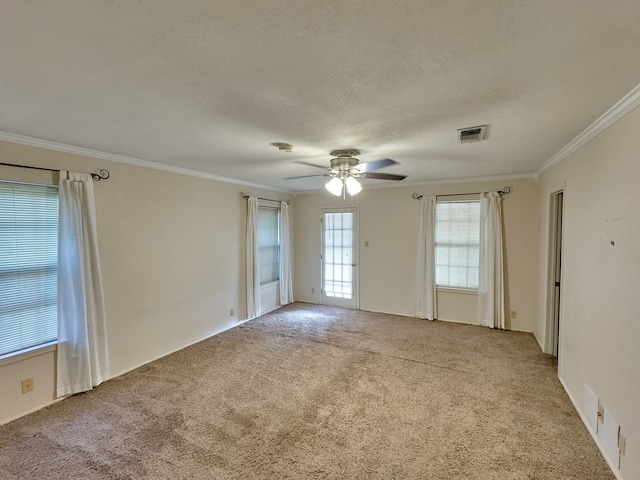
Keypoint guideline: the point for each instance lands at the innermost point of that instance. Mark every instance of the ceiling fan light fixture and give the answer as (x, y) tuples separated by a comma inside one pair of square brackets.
[(353, 186), (334, 186), (346, 170)]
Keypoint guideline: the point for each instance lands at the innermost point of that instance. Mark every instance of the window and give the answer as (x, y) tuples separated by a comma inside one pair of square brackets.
[(269, 244), (457, 241), (28, 265)]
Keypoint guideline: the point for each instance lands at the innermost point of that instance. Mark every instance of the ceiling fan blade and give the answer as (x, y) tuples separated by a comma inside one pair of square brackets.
[(324, 167), (375, 165), (307, 176), (383, 176)]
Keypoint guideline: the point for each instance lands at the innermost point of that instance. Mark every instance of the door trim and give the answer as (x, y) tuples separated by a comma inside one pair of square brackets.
[(356, 249), (552, 330)]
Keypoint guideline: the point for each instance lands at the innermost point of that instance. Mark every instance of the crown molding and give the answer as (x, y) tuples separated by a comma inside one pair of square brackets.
[(113, 157), (630, 101), (447, 181)]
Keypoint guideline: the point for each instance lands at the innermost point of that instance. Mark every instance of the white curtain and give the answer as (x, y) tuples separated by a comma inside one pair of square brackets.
[(286, 283), (82, 357), (253, 260), (491, 304), (426, 300)]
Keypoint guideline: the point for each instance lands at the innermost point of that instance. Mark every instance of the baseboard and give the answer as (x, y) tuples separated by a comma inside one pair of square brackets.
[(538, 340), (269, 311), (461, 322), (238, 323), (387, 313), (593, 434), (33, 410), (119, 374)]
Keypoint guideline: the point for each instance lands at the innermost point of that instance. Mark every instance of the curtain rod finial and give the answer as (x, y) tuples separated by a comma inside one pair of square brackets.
[(101, 174)]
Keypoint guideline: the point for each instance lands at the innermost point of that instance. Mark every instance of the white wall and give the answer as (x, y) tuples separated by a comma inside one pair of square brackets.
[(389, 221), (172, 250), (600, 320)]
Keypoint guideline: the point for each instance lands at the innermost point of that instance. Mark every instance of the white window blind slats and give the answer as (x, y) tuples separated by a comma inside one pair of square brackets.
[(457, 243), (269, 244), (28, 265)]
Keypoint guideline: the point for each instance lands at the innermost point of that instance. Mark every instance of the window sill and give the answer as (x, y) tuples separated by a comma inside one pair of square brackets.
[(464, 291), (36, 351)]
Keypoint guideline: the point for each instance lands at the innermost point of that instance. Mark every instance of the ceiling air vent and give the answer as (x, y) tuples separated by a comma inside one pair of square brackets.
[(471, 134)]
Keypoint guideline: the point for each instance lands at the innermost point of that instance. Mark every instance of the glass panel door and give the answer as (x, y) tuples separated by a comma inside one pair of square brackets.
[(339, 257)]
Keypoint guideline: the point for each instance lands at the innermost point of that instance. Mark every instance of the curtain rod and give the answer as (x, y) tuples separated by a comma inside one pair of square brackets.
[(244, 195), (505, 190), (101, 174)]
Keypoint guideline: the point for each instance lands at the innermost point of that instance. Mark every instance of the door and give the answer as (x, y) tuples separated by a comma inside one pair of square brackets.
[(339, 257), (556, 260)]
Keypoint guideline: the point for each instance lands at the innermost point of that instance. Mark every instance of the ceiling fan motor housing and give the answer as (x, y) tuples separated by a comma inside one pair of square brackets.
[(344, 160), (343, 163)]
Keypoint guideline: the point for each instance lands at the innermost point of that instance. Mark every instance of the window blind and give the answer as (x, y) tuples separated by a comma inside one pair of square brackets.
[(28, 265), (457, 243), (269, 244)]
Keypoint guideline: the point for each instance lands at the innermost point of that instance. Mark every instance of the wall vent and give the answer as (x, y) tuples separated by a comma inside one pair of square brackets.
[(471, 134)]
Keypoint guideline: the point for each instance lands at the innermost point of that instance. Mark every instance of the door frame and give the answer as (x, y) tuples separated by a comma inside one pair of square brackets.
[(356, 251), (555, 261)]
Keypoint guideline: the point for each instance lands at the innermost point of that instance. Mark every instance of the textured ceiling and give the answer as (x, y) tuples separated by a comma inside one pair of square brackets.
[(208, 86)]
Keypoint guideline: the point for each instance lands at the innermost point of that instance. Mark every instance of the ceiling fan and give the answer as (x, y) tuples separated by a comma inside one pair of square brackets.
[(346, 169)]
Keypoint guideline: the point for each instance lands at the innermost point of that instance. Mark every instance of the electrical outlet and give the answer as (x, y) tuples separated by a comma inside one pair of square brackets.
[(27, 385), (232, 312), (313, 290), (514, 314)]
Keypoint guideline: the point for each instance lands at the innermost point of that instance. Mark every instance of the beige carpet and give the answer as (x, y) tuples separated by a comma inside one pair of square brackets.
[(316, 392)]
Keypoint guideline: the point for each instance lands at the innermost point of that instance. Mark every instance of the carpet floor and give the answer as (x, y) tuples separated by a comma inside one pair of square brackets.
[(313, 392)]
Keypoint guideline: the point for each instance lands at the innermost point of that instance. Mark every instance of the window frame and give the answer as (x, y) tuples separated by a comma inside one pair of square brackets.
[(276, 246), (473, 290), (50, 344)]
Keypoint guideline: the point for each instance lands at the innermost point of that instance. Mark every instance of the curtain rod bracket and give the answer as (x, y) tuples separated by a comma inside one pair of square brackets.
[(244, 195), (505, 191), (101, 174)]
